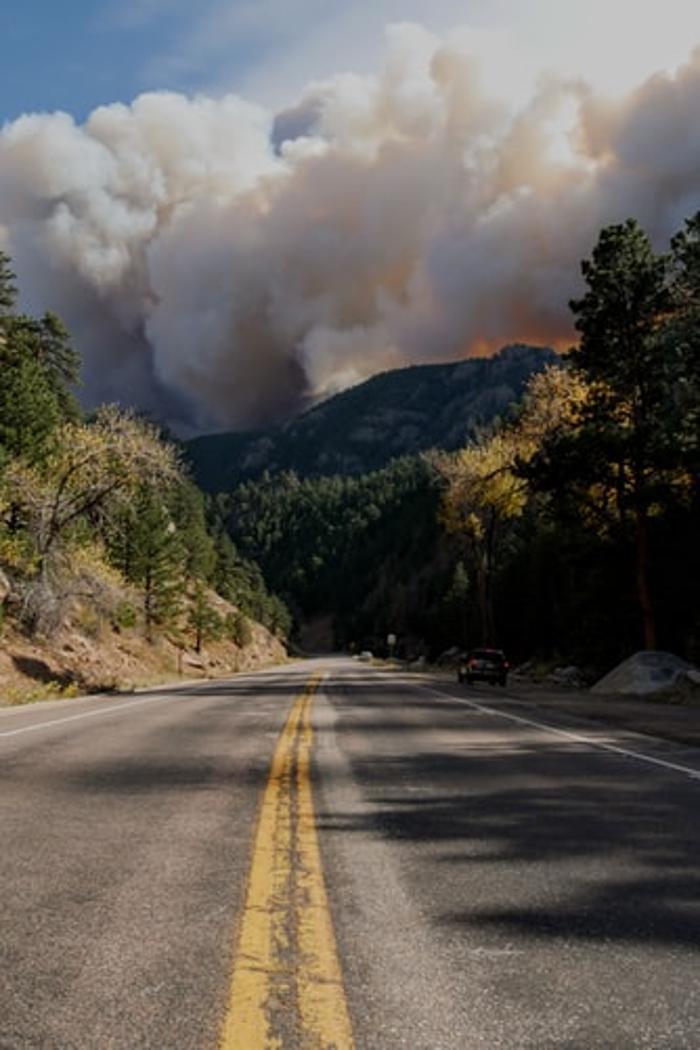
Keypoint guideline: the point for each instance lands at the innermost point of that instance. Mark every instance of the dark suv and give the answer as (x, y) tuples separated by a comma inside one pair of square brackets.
[(485, 665)]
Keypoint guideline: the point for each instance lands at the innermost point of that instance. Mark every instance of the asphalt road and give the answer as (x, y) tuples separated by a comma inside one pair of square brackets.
[(497, 875)]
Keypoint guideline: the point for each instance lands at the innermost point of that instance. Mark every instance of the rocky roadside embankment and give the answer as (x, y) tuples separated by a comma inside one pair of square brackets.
[(109, 659)]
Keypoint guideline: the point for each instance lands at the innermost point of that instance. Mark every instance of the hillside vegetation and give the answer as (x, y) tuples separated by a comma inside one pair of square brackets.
[(363, 549), (551, 506), (567, 529), (395, 414), (101, 529)]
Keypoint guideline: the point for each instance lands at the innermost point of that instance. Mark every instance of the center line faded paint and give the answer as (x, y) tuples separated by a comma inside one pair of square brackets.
[(287, 988)]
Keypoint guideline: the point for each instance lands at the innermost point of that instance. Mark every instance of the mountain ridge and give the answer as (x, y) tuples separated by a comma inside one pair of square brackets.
[(395, 413)]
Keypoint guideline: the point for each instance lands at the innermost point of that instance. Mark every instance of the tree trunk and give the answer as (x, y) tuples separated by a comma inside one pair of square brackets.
[(148, 605), (489, 631), (643, 588), (490, 557), (482, 591)]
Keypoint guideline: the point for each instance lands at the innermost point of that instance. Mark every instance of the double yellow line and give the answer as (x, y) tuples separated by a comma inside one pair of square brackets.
[(287, 988)]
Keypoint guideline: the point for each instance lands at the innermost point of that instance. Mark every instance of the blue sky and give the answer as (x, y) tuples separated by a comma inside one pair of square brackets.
[(82, 53), (79, 54)]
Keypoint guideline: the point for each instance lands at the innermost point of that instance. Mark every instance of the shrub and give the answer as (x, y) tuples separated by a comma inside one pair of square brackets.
[(32, 694), (239, 629)]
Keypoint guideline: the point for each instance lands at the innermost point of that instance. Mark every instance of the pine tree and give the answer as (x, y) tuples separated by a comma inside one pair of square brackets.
[(227, 566), (203, 618), (188, 511), (155, 561), (629, 421), (38, 367), (684, 336), (29, 408)]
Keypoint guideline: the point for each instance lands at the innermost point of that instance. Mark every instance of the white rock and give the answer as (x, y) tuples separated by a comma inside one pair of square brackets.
[(644, 674)]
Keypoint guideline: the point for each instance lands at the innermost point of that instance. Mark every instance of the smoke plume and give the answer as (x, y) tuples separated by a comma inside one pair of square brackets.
[(221, 266)]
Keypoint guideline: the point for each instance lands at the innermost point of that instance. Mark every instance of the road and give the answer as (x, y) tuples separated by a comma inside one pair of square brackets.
[(330, 855)]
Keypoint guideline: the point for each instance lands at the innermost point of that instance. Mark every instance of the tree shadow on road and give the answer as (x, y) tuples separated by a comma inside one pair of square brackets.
[(536, 836)]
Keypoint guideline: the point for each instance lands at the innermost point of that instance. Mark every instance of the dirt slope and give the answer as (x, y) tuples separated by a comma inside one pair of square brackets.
[(103, 659)]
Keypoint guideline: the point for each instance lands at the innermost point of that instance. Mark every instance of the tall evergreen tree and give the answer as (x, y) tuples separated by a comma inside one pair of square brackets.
[(684, 335), (203, 618), (155, 560), (189, 514), (628, 425), (38, 367), (29, 408)]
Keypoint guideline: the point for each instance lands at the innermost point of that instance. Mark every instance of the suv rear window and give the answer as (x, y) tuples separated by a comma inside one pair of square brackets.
[(487, 654)]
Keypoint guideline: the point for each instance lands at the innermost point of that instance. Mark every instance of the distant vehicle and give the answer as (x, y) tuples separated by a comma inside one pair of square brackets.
[(365, 656), (485, 665)]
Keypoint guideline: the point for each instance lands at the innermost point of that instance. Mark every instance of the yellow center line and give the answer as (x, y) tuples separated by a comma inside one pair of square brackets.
[(286, 988)]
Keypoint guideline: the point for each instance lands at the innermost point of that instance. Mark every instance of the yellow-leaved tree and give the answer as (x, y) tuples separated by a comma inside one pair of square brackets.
[(482, 495), (62, 503), (485, 487)]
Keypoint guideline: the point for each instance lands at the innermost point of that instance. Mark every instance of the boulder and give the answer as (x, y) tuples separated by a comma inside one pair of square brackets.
[(686, 688), (571, 676), (646, 673)]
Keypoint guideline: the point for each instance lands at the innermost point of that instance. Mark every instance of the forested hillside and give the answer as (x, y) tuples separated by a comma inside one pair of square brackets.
[(364, 549), (100, 526), (399, 413), (566, 530), (563, 526)]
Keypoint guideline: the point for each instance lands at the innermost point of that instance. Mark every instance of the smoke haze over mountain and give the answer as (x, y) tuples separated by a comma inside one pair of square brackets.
[(221, 265)]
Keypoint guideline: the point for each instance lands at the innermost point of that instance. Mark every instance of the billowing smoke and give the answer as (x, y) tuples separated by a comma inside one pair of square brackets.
[(222, 266)]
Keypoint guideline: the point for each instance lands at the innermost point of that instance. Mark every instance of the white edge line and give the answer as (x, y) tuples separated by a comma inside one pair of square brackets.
[(83, 714), (164, 693), (693, 774)]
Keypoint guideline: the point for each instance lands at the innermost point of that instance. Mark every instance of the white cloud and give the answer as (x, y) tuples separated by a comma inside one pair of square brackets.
[(613, 44), (269, 50), (409, 216)]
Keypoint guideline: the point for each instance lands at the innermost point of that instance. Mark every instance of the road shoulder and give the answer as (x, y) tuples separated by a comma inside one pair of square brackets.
[(674, 722)]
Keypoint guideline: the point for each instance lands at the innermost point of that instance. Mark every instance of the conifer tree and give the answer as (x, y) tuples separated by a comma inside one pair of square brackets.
[(684, 336), (227, 566), (153, 559), (38, 367), (29, 408), (188, 511), (629, 420), (203, 618)]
